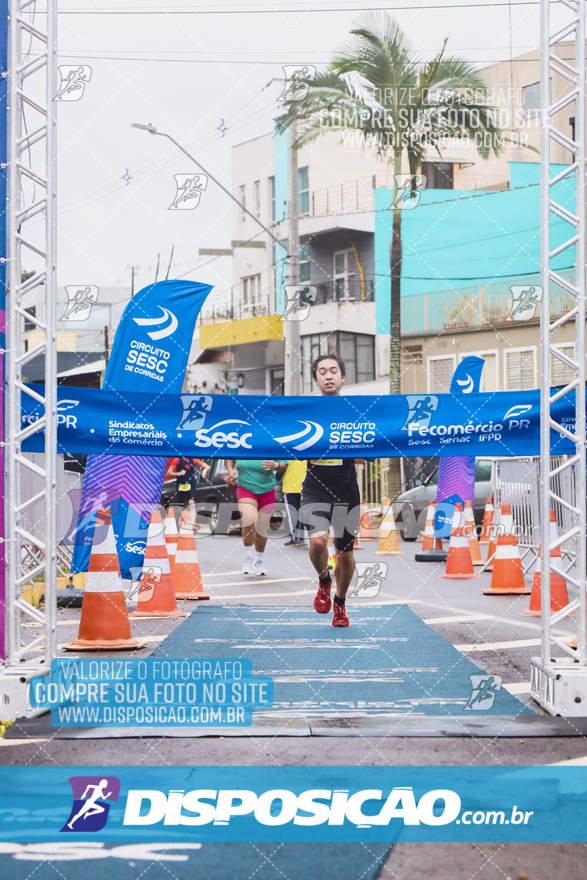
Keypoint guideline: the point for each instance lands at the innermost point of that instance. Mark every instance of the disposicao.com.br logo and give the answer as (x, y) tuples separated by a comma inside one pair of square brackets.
[(366, 808)]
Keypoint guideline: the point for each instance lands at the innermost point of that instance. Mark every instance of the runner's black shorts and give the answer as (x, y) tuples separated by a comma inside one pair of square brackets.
[(340, 507), (183, 498)]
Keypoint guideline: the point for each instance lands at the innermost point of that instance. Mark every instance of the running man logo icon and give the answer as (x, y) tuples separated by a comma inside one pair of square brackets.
[(80, 300), (407, 191), (369, 578), (297, 81), (420, 410), (195, 409), (525, 302), (299, 300), (90, 802), (144, 581), (74, 78), (189, 188), (483, 691)]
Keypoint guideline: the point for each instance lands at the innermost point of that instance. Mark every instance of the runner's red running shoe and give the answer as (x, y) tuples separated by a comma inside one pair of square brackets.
[(322, 601), (339, 617)]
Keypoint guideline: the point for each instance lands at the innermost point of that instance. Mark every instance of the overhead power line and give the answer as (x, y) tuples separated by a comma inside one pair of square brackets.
[(271, 10)]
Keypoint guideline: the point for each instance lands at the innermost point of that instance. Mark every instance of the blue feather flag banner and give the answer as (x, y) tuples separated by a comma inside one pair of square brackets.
[(150, 354)]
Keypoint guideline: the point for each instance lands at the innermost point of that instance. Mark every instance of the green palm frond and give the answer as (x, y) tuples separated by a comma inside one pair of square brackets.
[(376, 86)]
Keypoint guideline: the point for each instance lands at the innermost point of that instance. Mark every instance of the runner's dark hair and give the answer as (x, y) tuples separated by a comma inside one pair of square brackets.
[(329, 357)]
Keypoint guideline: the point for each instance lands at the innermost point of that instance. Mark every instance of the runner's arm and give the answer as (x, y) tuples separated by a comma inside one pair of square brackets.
[(205, 467)]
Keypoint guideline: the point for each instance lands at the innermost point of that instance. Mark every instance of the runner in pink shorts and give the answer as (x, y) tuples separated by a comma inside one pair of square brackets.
[(255, 482)]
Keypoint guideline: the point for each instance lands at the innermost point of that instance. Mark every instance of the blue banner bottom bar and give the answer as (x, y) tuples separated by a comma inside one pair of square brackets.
[(298, 804)]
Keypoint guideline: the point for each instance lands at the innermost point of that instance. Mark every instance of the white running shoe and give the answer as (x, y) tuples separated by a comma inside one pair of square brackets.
[(259, 568), (248, 566)]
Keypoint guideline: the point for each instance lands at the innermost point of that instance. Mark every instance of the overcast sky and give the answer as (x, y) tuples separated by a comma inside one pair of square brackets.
[(183, 73)]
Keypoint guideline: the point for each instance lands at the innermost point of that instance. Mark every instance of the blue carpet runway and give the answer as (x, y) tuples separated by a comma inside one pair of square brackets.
[(387, 663)]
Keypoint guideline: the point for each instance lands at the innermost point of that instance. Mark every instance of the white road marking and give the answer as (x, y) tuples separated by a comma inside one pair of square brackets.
[(256, 582), (517, 687), (263, 595), (497, 646), (461, 618)]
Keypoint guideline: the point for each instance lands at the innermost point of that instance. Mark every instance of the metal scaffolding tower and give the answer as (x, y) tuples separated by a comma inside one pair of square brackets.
[(31, 233), (559, 683)]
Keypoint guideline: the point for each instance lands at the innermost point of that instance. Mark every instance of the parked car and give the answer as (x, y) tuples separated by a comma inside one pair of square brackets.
[(212, 491), (411, 514)]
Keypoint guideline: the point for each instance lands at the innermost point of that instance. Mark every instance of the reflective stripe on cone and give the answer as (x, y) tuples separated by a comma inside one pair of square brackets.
[(171, 536)]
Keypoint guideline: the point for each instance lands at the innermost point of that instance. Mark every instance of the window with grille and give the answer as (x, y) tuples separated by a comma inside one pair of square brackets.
[(357, 350), (440, 372), (520, 369), (439, 175), (242, 199), (257, 197), (560, 374)]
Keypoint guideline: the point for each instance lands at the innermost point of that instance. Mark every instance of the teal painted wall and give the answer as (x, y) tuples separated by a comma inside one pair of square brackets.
[(281, 200), (456, 238)]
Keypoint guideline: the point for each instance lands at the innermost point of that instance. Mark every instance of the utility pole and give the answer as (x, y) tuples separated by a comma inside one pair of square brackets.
[(291, 329)]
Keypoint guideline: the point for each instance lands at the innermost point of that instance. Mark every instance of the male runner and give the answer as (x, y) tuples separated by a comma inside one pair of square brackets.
[(330, 490)]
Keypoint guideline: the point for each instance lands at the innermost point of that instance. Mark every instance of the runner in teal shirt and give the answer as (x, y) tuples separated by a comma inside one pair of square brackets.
[(255, 493), (254, 477)]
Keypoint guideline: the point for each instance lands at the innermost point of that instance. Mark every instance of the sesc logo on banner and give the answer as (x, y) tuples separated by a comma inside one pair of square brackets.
[(196, 408)]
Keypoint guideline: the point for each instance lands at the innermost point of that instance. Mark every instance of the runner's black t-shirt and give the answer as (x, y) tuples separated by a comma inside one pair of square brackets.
[(331, 473)]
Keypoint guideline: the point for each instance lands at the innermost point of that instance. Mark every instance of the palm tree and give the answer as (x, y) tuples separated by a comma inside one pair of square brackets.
[(375, 85)]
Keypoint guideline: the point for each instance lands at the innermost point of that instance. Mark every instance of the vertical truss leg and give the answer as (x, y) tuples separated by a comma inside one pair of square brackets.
[(559, 683), (31, 231)]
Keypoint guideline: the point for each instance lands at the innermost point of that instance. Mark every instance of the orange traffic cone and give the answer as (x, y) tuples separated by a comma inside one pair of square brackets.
[(104, 624), (356, 545), (508, 577), (487, 522), (470, 527), (559, 596), (186, 574), (156, 593), (388, 543), (171, 536), (493, 533), (458, 562), (430, 542), (366, 530)]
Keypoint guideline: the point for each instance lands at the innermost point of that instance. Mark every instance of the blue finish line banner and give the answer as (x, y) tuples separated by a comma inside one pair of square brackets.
[(223, 426), (320, 804)]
